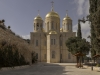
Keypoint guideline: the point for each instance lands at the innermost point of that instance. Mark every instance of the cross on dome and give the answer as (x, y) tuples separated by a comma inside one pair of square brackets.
[(52, 6), (66, 12), (38, 13)]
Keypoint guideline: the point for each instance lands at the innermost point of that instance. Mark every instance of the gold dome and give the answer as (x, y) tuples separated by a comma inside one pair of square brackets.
[(38, 18), (67, 18), (52, 14), (52, 32)]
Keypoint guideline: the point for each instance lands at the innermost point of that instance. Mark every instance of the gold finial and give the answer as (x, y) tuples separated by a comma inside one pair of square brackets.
[(52, 6), (66, 12), (38, 13)]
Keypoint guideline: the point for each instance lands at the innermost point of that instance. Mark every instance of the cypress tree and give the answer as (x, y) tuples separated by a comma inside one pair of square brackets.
[(79, 35)]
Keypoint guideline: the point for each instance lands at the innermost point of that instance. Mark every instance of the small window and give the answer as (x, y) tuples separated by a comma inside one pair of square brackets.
[(54, 41), (56, 25), (53, 54), (36, 42), (48, 23), (34, 27), (52, 25), (37, 24), (67, 27)]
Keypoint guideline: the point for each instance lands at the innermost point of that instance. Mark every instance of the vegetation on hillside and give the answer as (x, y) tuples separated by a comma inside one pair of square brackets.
[(14, 50), (9, 55)]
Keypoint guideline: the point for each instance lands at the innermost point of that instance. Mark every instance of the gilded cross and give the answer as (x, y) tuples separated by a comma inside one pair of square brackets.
[(66, 12), (52, 6), (38, 12)]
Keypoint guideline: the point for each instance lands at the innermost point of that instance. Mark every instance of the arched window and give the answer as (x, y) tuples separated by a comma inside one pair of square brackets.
[(47, 23), (37, 24), (54, 41), (41, 26), (34, 26), (64, 26), (36, 42), (56, 25), (67, 26), (53, 54), (52, 25)]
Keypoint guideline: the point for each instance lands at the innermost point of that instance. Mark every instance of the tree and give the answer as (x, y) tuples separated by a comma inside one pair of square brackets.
[(94, 18), (9, 27), (79, 34), (77, 45), (10, 56)]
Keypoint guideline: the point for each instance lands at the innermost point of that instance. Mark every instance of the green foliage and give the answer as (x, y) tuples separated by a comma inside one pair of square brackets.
[(3, 27), (79, 35), (94, 18), (34, 59), (98, 65), (76, 45), (9, 55)]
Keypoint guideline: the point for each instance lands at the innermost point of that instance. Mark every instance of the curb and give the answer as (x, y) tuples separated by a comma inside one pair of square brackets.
[(14, 68), (94, 68)]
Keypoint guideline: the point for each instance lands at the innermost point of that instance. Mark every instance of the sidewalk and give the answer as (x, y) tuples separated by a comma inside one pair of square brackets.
[(94, 67)]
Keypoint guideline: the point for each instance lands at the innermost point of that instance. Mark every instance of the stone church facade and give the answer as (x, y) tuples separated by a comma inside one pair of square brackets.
[(48, 39)]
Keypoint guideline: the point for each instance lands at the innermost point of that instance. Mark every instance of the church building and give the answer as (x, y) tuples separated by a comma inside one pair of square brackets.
[(48, 39)]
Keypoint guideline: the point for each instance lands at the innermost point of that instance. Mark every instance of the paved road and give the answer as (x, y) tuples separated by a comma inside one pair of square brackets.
[(53, 69)]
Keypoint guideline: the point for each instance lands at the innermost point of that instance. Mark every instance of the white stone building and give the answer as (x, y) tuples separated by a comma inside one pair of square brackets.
[(48, 39)]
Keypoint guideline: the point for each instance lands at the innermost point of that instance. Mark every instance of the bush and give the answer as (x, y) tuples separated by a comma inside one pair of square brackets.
[(10, 58), (3, 27), (98, 65)]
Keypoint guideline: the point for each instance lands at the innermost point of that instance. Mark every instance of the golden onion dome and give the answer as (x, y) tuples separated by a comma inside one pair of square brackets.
[(52, 14), (52, 32), (67, 18), (38, 18)]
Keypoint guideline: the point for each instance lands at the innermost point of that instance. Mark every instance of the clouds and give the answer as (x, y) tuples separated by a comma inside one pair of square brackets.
[(26, 36), (83, 10), (85, 29), (82, 7)]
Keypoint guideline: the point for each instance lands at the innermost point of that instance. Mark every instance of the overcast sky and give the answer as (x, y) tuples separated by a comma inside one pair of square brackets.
[(19, 14)]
